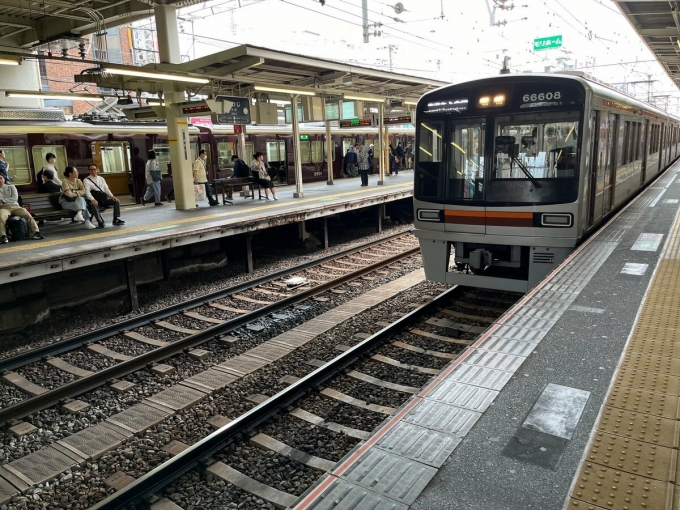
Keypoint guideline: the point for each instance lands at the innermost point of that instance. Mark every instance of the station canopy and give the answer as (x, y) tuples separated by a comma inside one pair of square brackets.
[(239, 70), (658, 24)]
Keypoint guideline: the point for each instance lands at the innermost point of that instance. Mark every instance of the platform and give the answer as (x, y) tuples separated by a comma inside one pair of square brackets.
[(546, 393), (150, 229)]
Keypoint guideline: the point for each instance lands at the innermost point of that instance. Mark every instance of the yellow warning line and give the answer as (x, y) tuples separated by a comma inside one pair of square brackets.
[(117, 231), (631, 461)]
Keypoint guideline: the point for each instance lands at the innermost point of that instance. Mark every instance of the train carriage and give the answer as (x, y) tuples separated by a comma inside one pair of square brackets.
[(512, 172)]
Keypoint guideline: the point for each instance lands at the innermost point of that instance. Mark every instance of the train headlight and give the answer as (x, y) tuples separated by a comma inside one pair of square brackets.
[(429, 215), (484, 101), (499, 100)]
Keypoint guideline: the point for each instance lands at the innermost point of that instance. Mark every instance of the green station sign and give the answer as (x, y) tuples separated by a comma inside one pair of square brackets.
[(304, 138), (548, 43)]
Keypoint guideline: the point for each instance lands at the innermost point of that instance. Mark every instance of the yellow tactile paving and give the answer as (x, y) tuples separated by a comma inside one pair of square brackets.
[(192, 219), (632, 459)]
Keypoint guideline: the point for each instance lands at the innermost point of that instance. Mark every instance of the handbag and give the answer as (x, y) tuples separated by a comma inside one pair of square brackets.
[(156, 175), (67, 198), (199, 192)]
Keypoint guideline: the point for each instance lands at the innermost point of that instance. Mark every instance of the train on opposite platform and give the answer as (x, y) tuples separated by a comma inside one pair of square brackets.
[(28, 135), (513, 172)]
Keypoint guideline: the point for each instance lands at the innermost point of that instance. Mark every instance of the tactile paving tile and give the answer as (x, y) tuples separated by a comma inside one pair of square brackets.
[(396, 478), (634, 457), (650, 363), (653, 343), (646, 402), (611, 488), (480, 376), (641, 427), (139, 418), (343, 495), (212, 379), (91, 442), (444, 418), (508, 346), (177, 397), (418, 443), (524, 329), (649, 381), (463, 395), (41, 466)]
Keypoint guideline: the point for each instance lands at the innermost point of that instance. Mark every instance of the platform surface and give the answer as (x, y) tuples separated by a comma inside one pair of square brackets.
[(150, 228), (507, 424)]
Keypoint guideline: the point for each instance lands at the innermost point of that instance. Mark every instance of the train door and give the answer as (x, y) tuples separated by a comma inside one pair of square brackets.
[(114, 162), (276, 158), (595, 154), (610, 165), (643, 141), (662, 140)]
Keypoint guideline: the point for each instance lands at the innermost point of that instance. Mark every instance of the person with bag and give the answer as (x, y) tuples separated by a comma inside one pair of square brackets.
[(201, 179), (98, 192), (261, 176), (9, 206), (48, 184), (241, 170), (153, 180), (73, 197)]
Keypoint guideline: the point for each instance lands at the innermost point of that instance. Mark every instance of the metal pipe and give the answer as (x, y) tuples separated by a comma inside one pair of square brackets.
[(381, 142), (299, 193)]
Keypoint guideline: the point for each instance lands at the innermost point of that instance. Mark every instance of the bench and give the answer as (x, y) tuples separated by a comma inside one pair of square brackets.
[(229, 183), (45, 206)]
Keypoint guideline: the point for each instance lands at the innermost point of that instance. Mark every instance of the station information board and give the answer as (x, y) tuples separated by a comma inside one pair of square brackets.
[(355, 123), (397, 119), (237, 111)]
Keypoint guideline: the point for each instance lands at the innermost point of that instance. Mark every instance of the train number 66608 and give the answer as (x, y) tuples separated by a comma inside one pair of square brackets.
[(543, 96)]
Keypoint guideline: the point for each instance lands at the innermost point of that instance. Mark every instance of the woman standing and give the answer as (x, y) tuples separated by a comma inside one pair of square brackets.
[(153, 180), (263, 178), (362, 158), (72, 196)]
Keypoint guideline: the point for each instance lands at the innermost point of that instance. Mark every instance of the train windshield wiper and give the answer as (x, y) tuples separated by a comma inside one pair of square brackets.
[(526, 172)]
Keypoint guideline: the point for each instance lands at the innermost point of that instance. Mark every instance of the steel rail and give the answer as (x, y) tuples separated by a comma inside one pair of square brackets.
[(69, 344), (85, 384), (133, 495)]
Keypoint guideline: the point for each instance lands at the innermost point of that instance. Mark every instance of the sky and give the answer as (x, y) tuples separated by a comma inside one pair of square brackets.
[(448, 40)]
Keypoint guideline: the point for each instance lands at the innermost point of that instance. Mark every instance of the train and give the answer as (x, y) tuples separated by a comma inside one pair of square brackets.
[(27, 136), (512, 172)]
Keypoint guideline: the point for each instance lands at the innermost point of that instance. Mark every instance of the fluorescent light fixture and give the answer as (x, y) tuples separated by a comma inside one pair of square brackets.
[(9, 62), (49, 95), (154, 76), (412, 103), (155, 102), (351, 97), (283, 90)]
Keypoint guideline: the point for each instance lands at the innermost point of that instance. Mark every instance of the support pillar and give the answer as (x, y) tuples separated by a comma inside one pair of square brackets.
[(131, 284), (178, 129), (325, 232), (302, 229), (245, 190), (250, 269), (381, 215), (165, 264), (381, 141), (299, 193), (330, 150)]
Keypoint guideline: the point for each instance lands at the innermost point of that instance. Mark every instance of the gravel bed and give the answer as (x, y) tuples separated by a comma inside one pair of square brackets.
[(368, 392), (159, 333), (127, 346), (197, 492), (189, 323), (45, 375), (10, 395), (344, 414), (430, 343), (413, 358), (270, 468), (215, 313), (88, 360), (392, 374), (238, 304), (471, 309)]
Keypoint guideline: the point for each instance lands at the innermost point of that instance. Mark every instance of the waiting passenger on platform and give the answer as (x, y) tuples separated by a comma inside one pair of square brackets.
[(394, 160), (4, 166), (48, 185), (50, 160), (153, 180), (98, 192), (241, 170), (261, 176), (73, 196), (350, 166), (201, 177), (408, 154), (400, 154), (363, 165), (9, 206), (370, 157)]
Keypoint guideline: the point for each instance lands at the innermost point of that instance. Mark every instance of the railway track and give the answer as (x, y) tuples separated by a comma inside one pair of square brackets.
[(51, 374), (260, 457)]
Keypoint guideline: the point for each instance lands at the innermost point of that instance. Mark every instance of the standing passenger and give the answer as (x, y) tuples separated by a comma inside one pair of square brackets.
[(363, 165), (153, 180), (72, 196), (138, 170), (400, 156), (201, 177), (370, 158), (261, 176)]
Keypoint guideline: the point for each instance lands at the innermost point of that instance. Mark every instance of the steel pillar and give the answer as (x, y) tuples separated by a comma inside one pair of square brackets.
[(131, 284), (330, 149), (325, 232), (381, 142), (299, 193), (250, 269), (381, 215)]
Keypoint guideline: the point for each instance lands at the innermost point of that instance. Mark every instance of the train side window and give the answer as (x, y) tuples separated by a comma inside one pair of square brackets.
[(17, 159), (466, 164), (111, 157), (317, 152), (305, 153), (225, 150), (346, 144), (250, 150), (39, 153), (429, 183), (162, 156), (626, 143)]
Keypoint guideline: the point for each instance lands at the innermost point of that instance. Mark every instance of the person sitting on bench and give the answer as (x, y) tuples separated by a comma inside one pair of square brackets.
[(261, 176), (241, 170), (73, 197), (9, 206), (98, 193), (48, 185)]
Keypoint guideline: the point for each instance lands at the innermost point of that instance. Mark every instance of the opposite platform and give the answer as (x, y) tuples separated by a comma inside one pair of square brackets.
[(516, 409), (150, 229)]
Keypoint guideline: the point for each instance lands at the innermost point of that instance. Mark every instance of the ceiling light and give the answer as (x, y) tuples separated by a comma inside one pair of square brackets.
[(376, 99), (155, 102), (49, 95), (283, 90), (412, 103), (9, 62), (154, 75)]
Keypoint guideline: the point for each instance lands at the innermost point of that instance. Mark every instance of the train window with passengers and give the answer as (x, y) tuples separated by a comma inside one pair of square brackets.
[(225, 151), (17, 165), (40, 152), (536, 146)]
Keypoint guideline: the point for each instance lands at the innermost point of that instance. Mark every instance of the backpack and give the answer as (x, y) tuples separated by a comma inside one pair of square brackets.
[(17, 228)]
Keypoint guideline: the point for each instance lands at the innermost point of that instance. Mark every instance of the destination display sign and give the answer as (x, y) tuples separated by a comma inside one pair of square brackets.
[(236, 110), (397, 119), (447, 105), (348, 123)]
